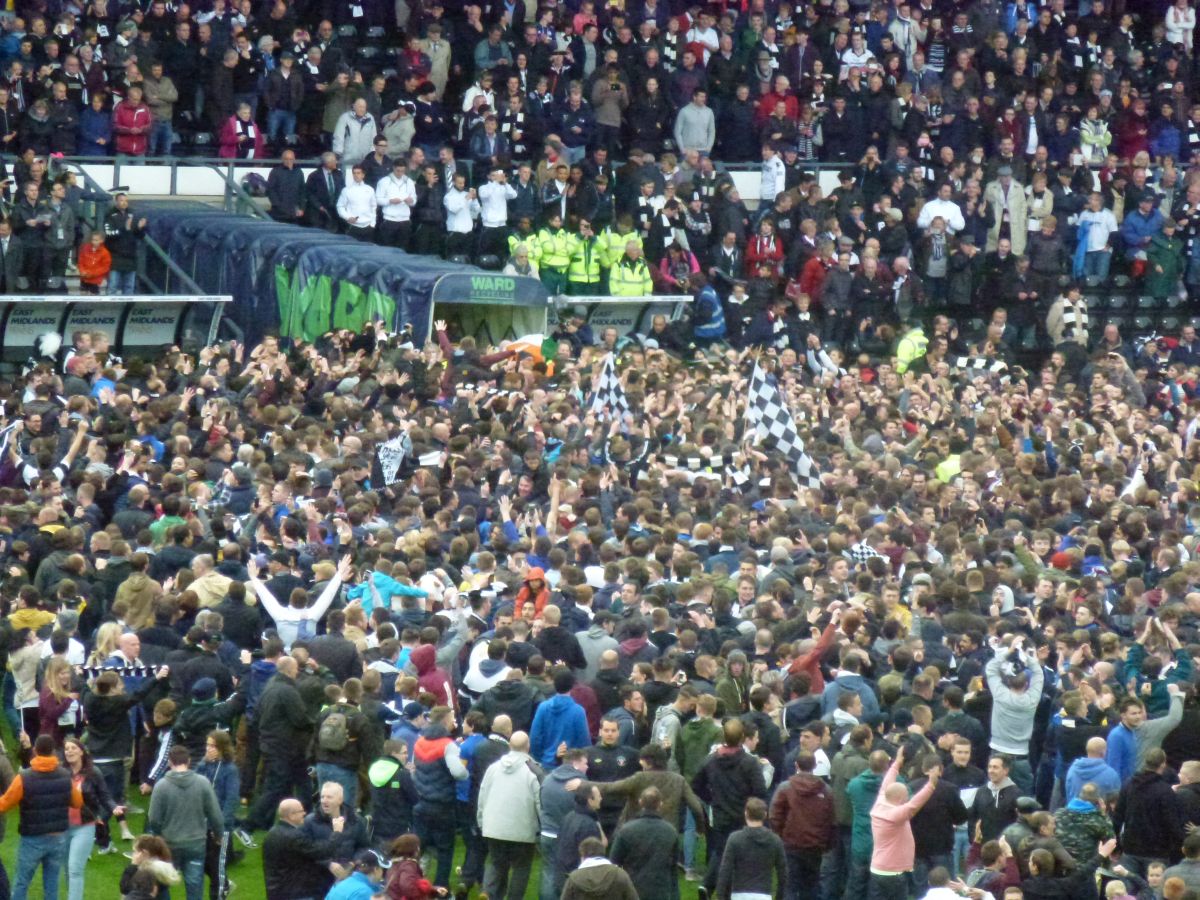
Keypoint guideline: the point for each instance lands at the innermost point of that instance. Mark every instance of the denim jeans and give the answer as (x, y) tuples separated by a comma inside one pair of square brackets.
[(281, 125), (1096, 263), (189, 862), (923, 865), (47, 850), (858, 875), (1022, 775), (347, 778), (78, 848), (547, 849), (122, 282), (689, 839), (161, 138), (962, 845)]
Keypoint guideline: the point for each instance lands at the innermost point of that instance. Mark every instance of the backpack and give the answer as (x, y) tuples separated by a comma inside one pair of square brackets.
[(334, 734)]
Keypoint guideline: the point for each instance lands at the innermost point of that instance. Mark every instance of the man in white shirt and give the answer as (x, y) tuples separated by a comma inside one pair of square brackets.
[(943, 206), (396, 194), (357, 206), (494, 195), (1101, 225), (773, 174), (462, 209)]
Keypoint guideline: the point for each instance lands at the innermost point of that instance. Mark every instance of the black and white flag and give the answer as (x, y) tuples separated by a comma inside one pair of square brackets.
[(608, 399), (390, 456), (767, 416)]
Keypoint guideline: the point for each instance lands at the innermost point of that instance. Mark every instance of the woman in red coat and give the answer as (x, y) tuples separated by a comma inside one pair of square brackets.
[(241, 138), (764, 247), (132, 123)]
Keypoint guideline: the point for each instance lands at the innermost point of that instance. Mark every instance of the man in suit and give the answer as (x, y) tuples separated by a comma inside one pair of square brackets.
[(727, 262), (322, 190), (11, 260)]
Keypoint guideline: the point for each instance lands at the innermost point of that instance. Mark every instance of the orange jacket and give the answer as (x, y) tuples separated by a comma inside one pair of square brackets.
[(94, 264), (16, 790)]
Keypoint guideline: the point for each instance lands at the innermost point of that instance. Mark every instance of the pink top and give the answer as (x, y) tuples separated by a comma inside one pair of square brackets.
[(894, 847)]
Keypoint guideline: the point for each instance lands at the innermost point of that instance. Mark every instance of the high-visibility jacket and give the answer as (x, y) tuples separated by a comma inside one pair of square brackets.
[(554, 249), (531, 242), (613, 245), (630, 278), (585, 260), (911, 348)]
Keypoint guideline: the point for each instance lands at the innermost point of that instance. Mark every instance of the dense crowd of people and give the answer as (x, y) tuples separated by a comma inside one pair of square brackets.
[(415, 619)]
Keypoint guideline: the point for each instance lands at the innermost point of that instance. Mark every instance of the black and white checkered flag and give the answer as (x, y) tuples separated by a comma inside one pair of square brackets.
[(609, 397), (767, 416)]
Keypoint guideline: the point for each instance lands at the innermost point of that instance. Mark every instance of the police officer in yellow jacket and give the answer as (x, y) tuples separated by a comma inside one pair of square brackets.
[(630, 276), (554, 247), (583, 272)]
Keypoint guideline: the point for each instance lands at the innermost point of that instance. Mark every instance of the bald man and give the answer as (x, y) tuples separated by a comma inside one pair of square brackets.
[(295, 865), (607, 681), (1092, 768), (509, 818), (894, 852)]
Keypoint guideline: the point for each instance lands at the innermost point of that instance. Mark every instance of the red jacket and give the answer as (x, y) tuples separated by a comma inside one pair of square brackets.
[(760, 249), (811, 661), (94, 264), (131, 125), (229, 140), (812, 276), (802, 813), (766, 106)]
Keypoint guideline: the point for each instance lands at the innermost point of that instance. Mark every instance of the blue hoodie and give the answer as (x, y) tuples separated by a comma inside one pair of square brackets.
[(557, 720), (356, 886), (386, 586), (261, 671), (1097, 771), (848, 682)]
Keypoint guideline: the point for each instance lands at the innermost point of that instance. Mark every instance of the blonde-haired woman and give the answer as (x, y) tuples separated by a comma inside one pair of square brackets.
[(58, 703), (108, 639)]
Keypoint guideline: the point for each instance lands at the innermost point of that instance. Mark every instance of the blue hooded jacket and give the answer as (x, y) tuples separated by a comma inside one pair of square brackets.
[(1097, 771), (557, 720)]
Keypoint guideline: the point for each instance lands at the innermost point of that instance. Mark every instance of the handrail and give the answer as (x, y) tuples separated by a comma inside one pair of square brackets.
[(237, 199), (173, 268)]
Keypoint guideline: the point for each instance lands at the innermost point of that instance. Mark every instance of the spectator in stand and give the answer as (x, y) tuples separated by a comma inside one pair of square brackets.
[(95, 264)]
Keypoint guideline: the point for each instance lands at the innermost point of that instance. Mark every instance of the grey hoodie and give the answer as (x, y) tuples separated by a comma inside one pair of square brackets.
[(183, 809), (1012, 713), (510, 800)]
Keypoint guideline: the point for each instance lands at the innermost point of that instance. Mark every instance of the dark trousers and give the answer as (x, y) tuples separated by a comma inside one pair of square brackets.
[(493, 241), (251, 759), (429, 239), (362, 234), (216, 857), (804, 873), (283, 777), (888, 887), (476, 846), (394, 234), (459, 244), (435, 829), (508, 867), (717, 837)]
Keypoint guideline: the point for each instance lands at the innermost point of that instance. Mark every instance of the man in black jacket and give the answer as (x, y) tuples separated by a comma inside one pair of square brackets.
[(285, 731), (321, 192), (933, 825), (285, 190), (729, 778), (333, 651), (296, 865)]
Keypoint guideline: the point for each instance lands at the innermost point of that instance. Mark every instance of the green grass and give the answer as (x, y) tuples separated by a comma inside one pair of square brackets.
[(103, 877)]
